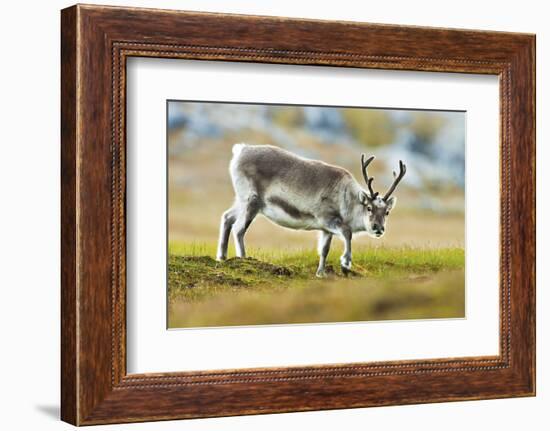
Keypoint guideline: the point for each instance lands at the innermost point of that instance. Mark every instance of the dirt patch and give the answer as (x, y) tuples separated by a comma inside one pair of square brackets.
[(251, 265), (200, 273)]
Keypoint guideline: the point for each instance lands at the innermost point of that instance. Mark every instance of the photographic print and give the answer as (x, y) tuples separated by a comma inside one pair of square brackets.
[(287, 214), (251, 213)]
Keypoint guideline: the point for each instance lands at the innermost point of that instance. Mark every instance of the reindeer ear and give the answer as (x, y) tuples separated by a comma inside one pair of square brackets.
[(391, 203), (363, 198)]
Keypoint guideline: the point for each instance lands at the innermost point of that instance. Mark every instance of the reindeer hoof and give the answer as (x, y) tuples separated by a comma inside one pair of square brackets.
[(345, 263), (221, 258), (321, 274)]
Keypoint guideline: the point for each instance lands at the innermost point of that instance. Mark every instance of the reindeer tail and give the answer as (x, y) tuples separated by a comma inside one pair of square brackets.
[(237, 148)]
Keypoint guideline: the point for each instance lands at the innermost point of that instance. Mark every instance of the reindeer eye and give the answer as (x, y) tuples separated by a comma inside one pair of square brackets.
[(387, 213), (369, 208)]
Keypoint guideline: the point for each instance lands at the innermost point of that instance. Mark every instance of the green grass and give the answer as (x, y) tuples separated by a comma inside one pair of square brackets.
[(278, 286)]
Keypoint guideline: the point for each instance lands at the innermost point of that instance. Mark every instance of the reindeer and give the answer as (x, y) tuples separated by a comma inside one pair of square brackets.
[(303, 194)]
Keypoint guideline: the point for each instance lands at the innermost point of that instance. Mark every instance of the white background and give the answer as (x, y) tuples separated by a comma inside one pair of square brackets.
[(151, 348), (29, 228)]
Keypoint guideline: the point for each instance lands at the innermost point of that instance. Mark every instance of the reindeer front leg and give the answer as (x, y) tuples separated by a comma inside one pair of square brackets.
[(335, 225), (345, 259), (325, 239)]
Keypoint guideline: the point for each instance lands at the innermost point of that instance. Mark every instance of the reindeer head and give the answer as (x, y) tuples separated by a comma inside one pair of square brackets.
[(376, 208)]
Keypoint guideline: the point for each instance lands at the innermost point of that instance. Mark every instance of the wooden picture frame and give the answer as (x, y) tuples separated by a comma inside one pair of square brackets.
[(95, 43)]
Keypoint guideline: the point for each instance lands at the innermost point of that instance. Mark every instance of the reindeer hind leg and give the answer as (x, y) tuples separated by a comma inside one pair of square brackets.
[(228, 219), (248, 211)]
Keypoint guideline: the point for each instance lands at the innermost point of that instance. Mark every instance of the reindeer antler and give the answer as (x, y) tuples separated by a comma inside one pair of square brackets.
[(397, 178), (364, 166)]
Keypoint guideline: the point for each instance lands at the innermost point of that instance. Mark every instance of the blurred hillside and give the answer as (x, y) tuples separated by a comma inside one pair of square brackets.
[(200, 137)]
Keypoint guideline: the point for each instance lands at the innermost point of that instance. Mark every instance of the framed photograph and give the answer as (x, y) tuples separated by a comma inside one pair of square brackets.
[(264, 214)]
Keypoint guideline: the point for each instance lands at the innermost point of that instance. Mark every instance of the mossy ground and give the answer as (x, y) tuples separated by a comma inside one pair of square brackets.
[(278, 287)]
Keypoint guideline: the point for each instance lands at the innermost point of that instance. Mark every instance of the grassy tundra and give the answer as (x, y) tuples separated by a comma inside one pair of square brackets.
[(278, 286), (415, 271)]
